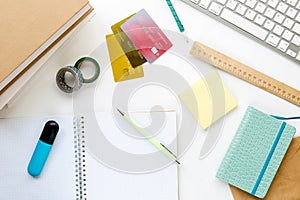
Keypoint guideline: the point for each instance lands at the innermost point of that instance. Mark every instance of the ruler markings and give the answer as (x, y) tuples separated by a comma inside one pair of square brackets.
[(245, 73)]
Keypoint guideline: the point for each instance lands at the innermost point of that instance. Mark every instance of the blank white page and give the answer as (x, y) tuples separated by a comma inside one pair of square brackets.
[(104, 182)]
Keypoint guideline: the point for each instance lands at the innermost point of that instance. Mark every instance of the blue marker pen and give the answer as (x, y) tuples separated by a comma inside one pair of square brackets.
[(43, 148)]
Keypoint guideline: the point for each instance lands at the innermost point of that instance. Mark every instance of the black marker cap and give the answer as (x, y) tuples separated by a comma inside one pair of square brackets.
[(49, 132)]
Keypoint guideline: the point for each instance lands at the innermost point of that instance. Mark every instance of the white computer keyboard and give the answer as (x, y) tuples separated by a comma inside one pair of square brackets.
[(275, 23)]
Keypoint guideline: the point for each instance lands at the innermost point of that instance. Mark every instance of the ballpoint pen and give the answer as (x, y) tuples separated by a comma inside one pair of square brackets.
[(151, 139)]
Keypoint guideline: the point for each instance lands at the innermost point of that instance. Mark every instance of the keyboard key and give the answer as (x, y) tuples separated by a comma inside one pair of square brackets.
[(292, 2), (215, 8), (296, 40), (269, 25), (298, 17), (282, 7), (195, 1), (260, 7), (293, 47), (204, 3), (278, 30), (242, 1), (287, 35), (272, 40), (291, 12), (291, 53), (244, 24), (251, 3), (270, 13), (288, 23), (273, 3), (279, 18), (259, 19), (231, 4), (283, 45), (250, 14), (241, 9), (223, 2), (298, 5), (296, 28)]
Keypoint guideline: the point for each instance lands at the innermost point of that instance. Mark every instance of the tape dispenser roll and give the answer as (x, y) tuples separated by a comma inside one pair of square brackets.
[(85, 60), (61, 79)]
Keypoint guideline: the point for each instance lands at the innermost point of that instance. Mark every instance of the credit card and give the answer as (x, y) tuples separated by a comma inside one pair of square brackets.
[(135, 57), (146, 36), (121, 67)]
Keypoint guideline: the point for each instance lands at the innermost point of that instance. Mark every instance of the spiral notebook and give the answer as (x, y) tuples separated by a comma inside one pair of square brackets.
[(71, 171)]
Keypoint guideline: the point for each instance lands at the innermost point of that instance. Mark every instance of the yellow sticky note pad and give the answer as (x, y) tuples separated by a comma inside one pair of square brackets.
[(121, 67), (208, 99)]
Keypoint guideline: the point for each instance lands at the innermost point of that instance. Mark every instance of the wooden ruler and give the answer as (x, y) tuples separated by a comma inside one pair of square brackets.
[(245, 73)]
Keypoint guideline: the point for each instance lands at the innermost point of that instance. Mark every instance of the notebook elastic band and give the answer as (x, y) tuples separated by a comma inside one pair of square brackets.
[(285, 118), (263, 170)]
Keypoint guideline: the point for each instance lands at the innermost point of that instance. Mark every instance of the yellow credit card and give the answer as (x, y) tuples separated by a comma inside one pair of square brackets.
[(121, 66), (135, 57)]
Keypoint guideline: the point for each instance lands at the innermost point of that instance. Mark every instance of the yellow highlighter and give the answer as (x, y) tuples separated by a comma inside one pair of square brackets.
[(151, 139)]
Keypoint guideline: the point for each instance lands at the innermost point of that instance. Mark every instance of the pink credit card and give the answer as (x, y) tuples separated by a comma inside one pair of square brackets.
[(146, 36)]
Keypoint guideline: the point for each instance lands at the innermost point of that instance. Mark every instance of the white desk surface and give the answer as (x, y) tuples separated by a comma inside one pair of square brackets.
[(196, 177)]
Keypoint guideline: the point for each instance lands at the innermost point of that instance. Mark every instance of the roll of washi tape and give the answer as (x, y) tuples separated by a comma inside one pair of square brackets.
[(61, 79), (84, 60)]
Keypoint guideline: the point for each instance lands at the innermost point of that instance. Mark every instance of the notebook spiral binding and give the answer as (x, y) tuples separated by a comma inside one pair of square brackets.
[(80, 162)]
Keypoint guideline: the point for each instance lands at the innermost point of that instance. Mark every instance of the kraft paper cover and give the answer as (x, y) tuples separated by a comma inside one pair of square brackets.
[(286, 183), (26, 25)]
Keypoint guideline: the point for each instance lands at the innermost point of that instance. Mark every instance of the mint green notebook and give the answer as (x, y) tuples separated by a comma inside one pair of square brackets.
[(256, 152)]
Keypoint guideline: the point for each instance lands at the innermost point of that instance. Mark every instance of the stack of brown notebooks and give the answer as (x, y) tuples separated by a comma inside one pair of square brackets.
[(30, 29)]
